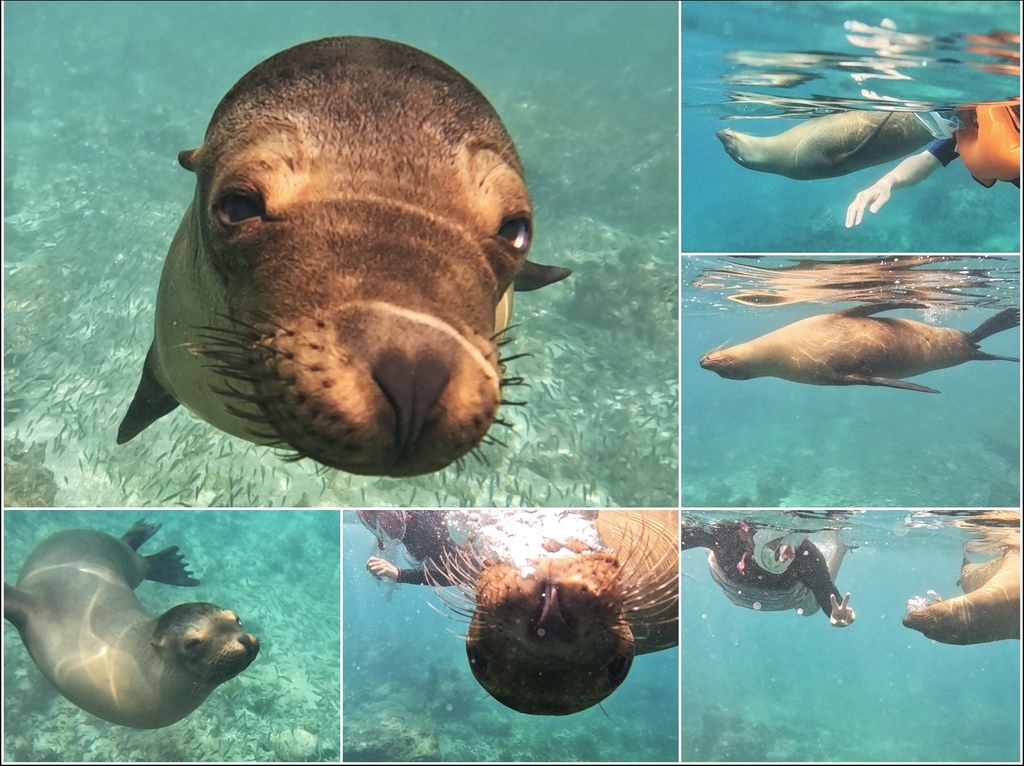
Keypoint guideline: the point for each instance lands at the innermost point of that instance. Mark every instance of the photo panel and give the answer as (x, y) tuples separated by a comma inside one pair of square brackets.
[(818, 636), (289, 346), (216, 641), (511, 635)]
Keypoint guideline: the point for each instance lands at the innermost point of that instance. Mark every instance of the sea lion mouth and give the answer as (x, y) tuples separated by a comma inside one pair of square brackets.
[(552, 643), (378, 389)]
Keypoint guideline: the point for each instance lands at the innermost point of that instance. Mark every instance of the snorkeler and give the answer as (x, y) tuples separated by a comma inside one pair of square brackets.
[(986, 138), (772, 570), (424, 534)]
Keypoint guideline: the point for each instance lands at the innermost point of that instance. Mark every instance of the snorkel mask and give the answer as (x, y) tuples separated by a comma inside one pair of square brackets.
[(774, 551), (940, 124), (386, 526)]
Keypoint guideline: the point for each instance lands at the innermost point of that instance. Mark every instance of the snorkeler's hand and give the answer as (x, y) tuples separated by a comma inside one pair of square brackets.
[(842, 615), (875, 196), (380, 568)]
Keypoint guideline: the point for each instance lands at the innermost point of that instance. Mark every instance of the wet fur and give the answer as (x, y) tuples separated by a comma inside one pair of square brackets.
[(614, 605), (352, 318)]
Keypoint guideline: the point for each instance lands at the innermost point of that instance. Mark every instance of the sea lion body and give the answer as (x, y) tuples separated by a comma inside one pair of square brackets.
[(90, 636), (829, 146), (852, 348), (336, 286), (988, 611), (554, 630)]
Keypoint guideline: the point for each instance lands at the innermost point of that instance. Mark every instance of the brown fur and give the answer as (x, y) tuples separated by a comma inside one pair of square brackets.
[(988, 611), (354, 320), (828, 146), (852, 348), (562, 638)]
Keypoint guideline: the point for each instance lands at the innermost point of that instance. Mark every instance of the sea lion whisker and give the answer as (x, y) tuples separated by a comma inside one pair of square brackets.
[(502, 338), (521, 355)]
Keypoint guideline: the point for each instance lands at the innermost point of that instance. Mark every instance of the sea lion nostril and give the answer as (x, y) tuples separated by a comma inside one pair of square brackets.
[(411, 386)]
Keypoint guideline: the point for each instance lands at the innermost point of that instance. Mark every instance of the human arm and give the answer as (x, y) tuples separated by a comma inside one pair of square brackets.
[(910, 171), (810, 566)]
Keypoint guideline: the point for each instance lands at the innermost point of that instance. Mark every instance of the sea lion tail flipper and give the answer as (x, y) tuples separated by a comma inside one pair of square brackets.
[(534, 276), (151, 402), (852, 379), (168, 567), (139, 533), (17, 607), (1004, 320)]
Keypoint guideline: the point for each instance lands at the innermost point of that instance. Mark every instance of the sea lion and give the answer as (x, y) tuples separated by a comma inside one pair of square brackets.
[(829, 146), (988, 611), (76, 610), (848, 348), (562, 602), (338, 283)]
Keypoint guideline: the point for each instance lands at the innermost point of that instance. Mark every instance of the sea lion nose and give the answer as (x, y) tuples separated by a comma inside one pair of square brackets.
[(552, 623), (251, 644), (412, 387)]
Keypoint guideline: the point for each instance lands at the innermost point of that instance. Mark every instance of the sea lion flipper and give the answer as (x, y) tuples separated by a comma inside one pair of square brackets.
[(1004, 320), (151, 402), (139, 533), (17, 607), (869, 380), (866, 143), (534, 276), (168, 567)]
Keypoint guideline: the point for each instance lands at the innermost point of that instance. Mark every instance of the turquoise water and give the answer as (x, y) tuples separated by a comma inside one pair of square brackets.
[(279, 571), (728, 208), (768, 442), (100, 98), (776, 686), (406, 677)]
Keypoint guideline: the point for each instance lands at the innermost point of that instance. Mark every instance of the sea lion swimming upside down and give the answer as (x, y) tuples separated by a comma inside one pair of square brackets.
[(847, 348), (339, 283), (555, 623), (988, 611)]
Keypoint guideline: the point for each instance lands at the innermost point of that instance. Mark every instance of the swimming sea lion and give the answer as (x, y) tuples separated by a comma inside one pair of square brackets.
[(989, 610), (340, 279), (829, 146), (848, 348), (560, 610), (76, 610)]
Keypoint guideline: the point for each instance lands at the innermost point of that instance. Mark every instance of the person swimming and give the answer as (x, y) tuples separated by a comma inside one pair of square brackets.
[(773, 570)]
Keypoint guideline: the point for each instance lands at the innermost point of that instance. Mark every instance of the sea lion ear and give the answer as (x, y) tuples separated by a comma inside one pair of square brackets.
[(187, 159), (534, 276)]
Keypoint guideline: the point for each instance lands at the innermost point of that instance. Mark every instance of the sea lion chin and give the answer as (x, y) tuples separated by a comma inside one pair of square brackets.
[(551, 641), (341, 281)]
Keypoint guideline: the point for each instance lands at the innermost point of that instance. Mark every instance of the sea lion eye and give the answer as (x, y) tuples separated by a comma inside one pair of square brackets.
[(516, 231), (477, 661), (618, 668), (195, 643), (234, 207)]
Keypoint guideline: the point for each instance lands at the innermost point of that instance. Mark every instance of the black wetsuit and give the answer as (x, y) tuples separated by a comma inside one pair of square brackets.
[(426, 539), (727, 541)]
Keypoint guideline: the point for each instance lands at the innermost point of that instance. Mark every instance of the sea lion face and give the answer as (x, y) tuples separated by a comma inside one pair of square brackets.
[(739, 146), (726, 363), (360, 212), (551, 641), (206, 641)]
